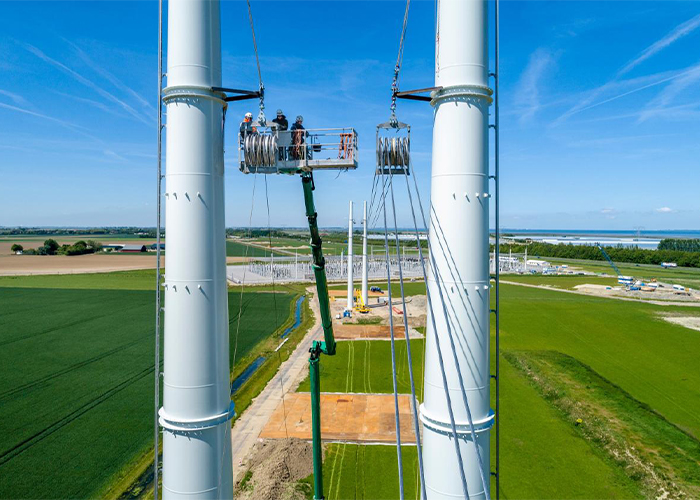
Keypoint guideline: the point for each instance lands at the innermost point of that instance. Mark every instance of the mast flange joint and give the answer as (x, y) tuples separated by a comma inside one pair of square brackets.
[(461, 93), (463, 428)]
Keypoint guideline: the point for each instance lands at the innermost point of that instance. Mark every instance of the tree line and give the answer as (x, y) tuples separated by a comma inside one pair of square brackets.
[(680, 245), (52, 247), (619, 253)]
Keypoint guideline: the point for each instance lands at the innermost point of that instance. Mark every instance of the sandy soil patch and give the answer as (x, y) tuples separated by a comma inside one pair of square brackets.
[(357, 418), (416, 307), (18, 265), (25, 265), (276, 465), (371, 332), (665, 293), (692, 322)]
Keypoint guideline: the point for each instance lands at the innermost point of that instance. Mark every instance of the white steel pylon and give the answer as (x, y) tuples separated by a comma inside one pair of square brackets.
[(351, 290), (365, 270), (197, 406), (458, 279)]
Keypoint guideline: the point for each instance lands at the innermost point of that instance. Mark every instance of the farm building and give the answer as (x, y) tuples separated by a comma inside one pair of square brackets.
[(133, 248)]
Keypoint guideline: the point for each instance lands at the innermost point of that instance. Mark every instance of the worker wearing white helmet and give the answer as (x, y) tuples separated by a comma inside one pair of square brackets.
[(246, 125)]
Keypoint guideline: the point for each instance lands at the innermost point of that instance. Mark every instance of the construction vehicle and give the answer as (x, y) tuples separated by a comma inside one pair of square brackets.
[(360, 305), (622, 280)]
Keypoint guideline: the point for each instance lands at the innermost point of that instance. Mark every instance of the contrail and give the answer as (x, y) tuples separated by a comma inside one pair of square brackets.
[(86, 82), (109, 76), (71, 126), (678, 32), (634, 91)]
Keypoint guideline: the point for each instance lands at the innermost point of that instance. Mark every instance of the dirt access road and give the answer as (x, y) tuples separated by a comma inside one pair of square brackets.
[(27, 265), (247, 428)]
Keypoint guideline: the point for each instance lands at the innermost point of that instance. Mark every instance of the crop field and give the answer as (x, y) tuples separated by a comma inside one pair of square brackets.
[(365, 366), (631, 378), (76, 367), (237, 249)]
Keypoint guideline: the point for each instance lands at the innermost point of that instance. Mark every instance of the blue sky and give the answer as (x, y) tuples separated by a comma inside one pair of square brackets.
[(600, 108)]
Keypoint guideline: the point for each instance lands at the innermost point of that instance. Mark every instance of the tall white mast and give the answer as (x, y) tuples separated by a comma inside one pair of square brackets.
[(365, 271), (350, 283), (459, 253), (197, 404)]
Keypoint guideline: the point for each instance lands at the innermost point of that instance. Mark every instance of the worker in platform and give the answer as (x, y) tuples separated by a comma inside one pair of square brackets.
[(281, 120), (298, 136), (247, 127)]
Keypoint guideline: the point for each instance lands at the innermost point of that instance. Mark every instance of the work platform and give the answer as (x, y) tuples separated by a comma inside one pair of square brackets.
[(268, 150)]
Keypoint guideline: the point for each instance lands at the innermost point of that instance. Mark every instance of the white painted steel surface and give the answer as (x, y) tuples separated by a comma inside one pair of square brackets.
[(365, 270), (196, 395), (350, 263), (459, 244)]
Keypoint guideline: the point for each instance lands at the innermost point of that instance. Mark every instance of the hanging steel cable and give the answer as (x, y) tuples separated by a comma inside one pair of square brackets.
[(399, 61), (393, 348), (414, 401), (261, 116)]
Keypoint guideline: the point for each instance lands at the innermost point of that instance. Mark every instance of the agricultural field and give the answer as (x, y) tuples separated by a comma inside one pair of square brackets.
[(364, 366), (76, 367), (590, 389), (238, 249)]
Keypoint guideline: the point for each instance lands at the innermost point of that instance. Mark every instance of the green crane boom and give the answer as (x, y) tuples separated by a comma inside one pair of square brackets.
[(317, 348)]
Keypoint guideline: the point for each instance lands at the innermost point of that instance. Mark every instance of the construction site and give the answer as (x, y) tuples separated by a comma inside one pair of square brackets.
[(412, 352)]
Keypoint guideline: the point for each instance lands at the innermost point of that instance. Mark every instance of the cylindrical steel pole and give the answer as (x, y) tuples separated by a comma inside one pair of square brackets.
[(365, 271), (459, 244), (350, 280), (197, 405)]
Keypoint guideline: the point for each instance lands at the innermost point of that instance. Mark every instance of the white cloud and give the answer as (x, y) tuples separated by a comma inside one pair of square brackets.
[(16, 98), (528, 89), (664, 210)]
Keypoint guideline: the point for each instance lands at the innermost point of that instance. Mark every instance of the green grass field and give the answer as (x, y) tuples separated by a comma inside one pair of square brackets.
[(364, 366), (611, 356), (76, 366), (238, 249)]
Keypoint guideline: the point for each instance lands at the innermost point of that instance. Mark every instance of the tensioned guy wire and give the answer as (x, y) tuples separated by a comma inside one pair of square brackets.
[(393, 348), (437, 339), (414, 401)]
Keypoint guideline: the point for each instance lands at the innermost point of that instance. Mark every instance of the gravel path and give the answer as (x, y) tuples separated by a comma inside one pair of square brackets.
[(247, 428)]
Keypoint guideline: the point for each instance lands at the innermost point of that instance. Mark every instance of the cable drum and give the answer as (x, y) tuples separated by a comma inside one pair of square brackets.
[(260, 150), (393, 152)]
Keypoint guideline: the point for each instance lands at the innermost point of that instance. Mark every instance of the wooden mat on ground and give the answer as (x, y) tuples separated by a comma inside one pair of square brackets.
[(361, 418), (353, 332)]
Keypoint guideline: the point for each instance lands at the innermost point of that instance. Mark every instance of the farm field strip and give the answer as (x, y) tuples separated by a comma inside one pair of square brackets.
[(86, 354)]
